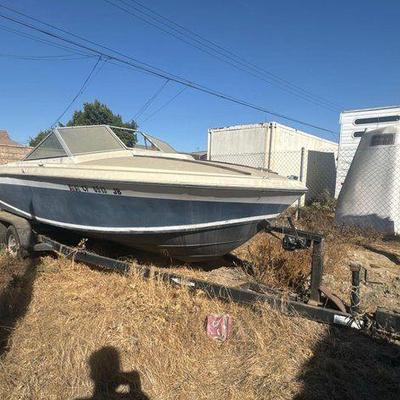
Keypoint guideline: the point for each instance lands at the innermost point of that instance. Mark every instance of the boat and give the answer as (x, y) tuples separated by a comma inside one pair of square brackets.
[(150, 197)]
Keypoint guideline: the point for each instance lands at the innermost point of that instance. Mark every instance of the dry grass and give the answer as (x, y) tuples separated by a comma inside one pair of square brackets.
[(158, 331), (269, 264), (69, 332), (79, 322), (322, 220), (379, 255), (273, 266)]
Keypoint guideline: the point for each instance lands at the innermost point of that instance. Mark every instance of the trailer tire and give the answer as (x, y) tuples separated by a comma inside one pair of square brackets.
[(13, 243), (3, 233)]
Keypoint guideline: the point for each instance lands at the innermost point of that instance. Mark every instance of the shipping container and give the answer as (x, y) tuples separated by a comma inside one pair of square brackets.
[(281, 149)]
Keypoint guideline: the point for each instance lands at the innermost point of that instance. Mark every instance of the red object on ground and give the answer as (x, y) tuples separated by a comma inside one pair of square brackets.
[(219, 327)]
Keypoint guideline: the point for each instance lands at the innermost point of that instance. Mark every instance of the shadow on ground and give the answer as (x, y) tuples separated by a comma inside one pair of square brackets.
[(105, 371), (391, 256), (350, 365), (16, 286)]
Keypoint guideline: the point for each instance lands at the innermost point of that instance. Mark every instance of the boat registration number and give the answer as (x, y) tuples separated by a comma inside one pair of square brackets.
[(94, 189)]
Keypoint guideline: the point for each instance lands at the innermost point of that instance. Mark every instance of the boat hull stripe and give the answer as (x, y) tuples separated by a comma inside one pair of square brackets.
[(234, 195), (105, 229), (135, 215)]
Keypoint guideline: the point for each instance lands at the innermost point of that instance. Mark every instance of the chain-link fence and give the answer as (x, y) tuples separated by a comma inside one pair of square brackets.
[(369, 185), (366, 179), (317, 169)]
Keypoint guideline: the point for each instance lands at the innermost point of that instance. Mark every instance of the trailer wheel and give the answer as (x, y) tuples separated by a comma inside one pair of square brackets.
[(13, 243), (3, 232)]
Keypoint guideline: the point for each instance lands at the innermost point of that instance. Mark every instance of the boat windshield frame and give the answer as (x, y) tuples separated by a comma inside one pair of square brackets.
[(109, 128), (154, 141)]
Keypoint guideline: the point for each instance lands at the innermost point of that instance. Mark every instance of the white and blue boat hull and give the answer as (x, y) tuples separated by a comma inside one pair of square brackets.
[(186, 222)]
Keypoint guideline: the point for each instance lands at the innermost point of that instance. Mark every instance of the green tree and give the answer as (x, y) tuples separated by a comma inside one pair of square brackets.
[(96, 113)]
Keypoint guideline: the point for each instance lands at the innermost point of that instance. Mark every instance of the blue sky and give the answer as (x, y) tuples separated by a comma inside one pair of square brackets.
[(344, 51)]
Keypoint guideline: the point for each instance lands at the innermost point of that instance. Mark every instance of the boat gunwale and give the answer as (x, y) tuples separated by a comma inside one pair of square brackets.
[(67, 180)]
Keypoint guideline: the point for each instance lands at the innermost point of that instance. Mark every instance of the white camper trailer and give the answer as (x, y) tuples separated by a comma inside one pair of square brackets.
[(370, 196), (353, 124)]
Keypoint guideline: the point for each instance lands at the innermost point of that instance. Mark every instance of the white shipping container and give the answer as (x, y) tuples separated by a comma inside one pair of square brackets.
[(279, 148)]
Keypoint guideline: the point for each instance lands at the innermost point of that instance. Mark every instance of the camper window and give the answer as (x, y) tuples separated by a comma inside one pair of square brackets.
[(375, 120), (358, 134), (382, 140)]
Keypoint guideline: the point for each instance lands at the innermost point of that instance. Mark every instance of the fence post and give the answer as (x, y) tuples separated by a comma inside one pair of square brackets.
[(301, 177), (317, 270), (271, 133)]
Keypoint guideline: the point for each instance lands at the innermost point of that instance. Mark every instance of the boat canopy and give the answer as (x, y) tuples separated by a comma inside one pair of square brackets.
[(77, 140)]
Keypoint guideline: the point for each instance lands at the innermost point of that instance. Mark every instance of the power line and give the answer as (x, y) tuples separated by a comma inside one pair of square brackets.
[(164, 105), (68, 33), (148, 103), (232, 53), (187, 36), (80, 91), (141, 66), (43, 58), (225, 59), (40, 40), (242, 60), (158, 72)]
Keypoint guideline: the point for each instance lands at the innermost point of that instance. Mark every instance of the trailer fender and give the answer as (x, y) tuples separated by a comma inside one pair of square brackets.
[(22, 226)]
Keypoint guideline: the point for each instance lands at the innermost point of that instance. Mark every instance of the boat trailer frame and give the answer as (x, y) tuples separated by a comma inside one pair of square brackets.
[(316, 308)]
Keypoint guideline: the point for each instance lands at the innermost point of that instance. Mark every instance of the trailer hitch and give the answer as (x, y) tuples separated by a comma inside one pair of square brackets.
[(294, 241), (291, 243)]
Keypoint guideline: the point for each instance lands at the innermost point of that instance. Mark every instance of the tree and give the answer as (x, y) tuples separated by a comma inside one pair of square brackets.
[(96, 113)]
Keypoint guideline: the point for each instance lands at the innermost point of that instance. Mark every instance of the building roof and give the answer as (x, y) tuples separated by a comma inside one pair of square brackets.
[(271, 123), (5, 139), (370, 109), (199, 152), (199, 155)]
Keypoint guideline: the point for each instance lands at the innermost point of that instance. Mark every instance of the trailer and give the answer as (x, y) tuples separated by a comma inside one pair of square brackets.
[(370, 194), (22, 239), (353, 125)]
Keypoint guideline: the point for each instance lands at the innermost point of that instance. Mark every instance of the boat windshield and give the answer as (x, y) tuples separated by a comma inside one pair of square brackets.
[(160, 144), (90, 139), (48, 148), (143, 140), (70, 141)]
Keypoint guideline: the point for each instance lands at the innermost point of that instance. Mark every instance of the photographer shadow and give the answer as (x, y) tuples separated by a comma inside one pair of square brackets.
[(105, 370)]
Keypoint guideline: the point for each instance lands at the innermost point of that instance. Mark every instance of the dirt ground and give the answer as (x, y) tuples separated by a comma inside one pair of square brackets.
[(380, 284), (71, 332), (289, 271)]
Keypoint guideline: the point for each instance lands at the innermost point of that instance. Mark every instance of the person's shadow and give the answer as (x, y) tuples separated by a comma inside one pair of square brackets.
[(107, 376)]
